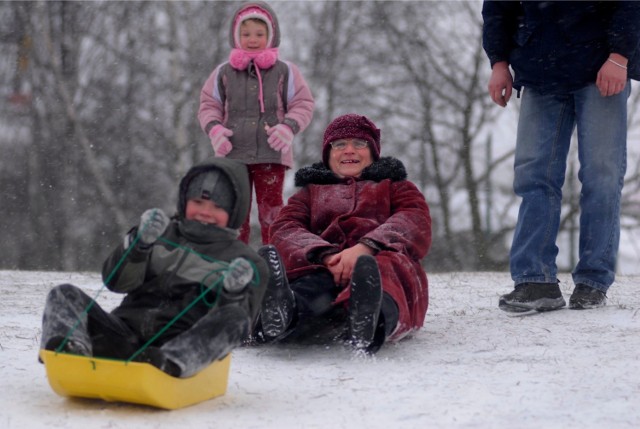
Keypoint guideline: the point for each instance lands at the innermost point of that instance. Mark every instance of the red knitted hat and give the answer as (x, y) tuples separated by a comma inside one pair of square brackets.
[(351, 126)]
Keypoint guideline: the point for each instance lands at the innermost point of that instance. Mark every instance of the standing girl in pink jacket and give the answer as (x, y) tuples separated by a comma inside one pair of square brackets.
[(253, 105)]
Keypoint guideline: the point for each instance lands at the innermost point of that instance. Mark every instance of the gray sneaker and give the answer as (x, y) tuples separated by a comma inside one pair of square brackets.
[(532, 296)]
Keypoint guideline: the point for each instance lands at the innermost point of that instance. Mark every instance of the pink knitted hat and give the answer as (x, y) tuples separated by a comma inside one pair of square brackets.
[(351, 126)]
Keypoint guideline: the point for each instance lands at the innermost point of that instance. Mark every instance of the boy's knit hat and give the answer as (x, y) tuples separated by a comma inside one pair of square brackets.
[(256, 10), (351, 126), (231, 189), (213, 185)]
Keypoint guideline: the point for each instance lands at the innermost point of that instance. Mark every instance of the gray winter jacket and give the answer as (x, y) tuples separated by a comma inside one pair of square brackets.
[(162, 281)]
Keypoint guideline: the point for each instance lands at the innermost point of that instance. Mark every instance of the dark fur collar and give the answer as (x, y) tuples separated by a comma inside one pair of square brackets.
[(383, 168)]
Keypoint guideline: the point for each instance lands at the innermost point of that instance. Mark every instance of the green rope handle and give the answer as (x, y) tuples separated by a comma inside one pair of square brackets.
[(204, 291), (93, 300), (255, 281)]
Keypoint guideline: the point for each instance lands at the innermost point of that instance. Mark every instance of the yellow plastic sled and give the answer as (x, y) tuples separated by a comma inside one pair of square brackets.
[(135, 382)]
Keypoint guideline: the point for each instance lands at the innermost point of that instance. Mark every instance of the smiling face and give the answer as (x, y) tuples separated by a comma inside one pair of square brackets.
[(253, 35), (348, 157), (206, 211)]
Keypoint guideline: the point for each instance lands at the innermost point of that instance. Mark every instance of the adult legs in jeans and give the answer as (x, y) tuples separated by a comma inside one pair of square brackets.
[(268, 181), (544, 136), (602, 150)]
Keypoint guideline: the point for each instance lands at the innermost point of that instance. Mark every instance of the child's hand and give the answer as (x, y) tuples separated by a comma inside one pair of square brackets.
[(280, 137), (238, 275), (153, 223), (219, 136)]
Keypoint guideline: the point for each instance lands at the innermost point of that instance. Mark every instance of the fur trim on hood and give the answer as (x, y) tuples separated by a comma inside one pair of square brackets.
[(384, 168)]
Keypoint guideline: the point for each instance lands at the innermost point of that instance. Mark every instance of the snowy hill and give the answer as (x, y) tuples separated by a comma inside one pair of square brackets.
[(471, 366)]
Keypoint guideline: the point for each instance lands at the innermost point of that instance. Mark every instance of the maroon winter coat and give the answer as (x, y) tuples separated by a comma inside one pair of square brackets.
[(330, 214)]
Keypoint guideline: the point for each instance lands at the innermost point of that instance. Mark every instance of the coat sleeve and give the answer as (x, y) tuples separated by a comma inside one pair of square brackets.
[(624, 31), (408, 229), (211, 109), (291, 234), (500, 23), (125, 268), (300, 102)]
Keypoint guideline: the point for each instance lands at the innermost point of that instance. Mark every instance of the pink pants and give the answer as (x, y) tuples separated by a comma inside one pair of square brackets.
[(268, 181)]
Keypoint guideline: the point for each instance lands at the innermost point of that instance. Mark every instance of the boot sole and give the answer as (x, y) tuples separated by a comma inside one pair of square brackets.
[(277, 304), (586, 306), (544, 304)]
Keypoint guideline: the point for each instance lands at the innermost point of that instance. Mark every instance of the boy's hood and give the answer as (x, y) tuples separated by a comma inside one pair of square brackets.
[(237, 174)]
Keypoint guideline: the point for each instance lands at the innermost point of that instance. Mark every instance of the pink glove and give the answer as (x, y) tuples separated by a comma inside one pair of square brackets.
[(280, 137), (219, 136)]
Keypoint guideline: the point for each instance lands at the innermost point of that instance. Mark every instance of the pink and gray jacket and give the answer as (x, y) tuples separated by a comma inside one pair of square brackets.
[(249, 92)]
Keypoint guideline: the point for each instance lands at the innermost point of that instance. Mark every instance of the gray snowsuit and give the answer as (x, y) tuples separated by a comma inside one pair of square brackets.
[(167, 283)]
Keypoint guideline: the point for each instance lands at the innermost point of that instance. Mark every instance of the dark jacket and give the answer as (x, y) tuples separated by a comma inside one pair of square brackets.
[(164, 280), (559, 46), (330, 214)]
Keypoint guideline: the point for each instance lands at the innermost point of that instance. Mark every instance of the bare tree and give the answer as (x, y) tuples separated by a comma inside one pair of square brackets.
[(99, 119), (441, 70)]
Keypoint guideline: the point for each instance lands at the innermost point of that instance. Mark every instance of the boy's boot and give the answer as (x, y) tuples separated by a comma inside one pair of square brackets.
[(278, 304), (365, 302), (211, 338), (232, 324), (532, 296), (156, 357), (71, 346)]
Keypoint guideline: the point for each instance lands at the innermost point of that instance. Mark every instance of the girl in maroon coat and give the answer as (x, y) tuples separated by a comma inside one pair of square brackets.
[(351, 241)]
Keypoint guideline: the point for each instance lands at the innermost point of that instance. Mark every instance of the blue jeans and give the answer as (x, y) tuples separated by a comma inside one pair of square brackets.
[(545, 127)]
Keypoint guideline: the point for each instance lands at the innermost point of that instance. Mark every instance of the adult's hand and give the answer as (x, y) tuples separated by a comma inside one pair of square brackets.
[(341, 264), (501, 83), (612, 76)]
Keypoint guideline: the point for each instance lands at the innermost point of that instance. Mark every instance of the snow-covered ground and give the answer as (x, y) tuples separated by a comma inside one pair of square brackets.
[(471, 366)]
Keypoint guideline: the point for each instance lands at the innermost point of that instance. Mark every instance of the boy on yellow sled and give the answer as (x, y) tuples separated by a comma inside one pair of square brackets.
[(193, 290)]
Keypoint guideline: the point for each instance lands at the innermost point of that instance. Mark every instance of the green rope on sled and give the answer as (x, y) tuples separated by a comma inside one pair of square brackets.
[(205, 289)]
